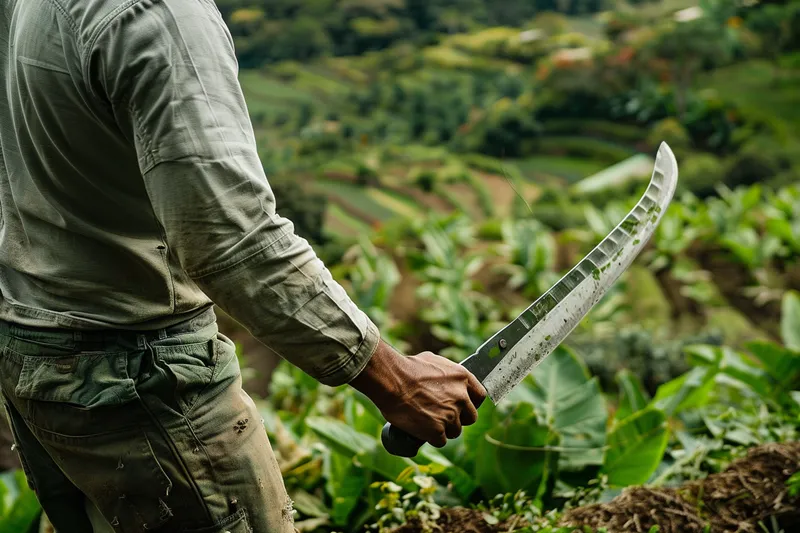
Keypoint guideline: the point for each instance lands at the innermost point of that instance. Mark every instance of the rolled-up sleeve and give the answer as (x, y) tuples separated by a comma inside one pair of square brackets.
[(168, 71)]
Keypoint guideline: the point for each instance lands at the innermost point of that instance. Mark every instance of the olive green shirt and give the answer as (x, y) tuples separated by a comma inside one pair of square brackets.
[(131, 193)]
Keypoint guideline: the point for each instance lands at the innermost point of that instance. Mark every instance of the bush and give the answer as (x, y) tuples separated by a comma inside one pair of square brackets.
[(306, 210), (366, 175), (759, 160), (671, 131), (425, 179), (700, 174), (491, 230)]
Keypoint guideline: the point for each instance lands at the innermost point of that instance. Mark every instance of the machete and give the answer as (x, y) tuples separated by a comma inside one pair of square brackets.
[(504, 360)]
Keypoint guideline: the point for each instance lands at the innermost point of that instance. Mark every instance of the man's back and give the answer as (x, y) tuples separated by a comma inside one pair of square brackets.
[(80, 245)]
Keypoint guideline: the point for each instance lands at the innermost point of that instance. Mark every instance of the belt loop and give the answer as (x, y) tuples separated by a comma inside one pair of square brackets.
[(141, 341), (162, 334)]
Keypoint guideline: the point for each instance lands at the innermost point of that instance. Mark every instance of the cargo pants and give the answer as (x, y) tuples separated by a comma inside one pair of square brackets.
[(153, 430)]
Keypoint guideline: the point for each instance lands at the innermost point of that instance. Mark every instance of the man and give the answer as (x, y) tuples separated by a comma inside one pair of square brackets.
[(131, 197)]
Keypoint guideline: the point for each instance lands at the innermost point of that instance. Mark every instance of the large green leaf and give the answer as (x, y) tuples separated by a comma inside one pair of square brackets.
[(366, 450), (790, 320), (517, 454), (689, 391), (632, 396), (571, 402), (341, 437), (361, 414), (635, 448), (731, 363), (472, 435), (345, 483), (463, 484), (781, 364)]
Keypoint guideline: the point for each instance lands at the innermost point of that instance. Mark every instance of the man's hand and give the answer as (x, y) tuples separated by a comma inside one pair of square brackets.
[(426, 395)]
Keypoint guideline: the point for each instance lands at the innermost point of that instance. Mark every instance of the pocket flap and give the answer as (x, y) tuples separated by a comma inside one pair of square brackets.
[(85, 380)]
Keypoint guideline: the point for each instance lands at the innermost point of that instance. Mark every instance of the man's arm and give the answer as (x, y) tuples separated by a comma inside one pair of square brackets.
[(168, 70)]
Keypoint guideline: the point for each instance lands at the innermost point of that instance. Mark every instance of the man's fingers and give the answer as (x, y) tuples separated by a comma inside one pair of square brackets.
[(438, 441), (453, 431), (469, 413), (477, 392)]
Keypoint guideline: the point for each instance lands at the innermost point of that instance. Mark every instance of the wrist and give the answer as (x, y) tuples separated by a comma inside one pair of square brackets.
[(381, 380)]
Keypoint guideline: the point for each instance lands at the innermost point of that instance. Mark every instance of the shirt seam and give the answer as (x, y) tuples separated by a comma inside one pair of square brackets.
[(72, 24), (354, 355), (101, 28), (235, 262)]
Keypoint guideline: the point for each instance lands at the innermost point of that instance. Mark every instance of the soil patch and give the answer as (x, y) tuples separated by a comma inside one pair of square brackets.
[(457, 519), (467, 196), (751, 490), (503, 192), (427, 200)]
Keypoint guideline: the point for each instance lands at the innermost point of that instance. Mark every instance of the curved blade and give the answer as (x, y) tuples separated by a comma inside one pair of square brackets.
[(505, 359)]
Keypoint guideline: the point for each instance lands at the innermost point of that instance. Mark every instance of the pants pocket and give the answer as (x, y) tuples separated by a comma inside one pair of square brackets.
[(190, 369)]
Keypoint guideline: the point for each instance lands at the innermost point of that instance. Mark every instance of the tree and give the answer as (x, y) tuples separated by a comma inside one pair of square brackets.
[(774, 25)]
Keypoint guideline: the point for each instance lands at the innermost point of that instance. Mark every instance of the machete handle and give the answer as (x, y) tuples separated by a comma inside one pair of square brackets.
[(398, 442)]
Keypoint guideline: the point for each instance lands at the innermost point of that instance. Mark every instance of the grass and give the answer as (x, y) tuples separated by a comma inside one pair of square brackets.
[(395, 202), (256, 85), (341, 223), (570, 169), (355, 195), (581, 147)]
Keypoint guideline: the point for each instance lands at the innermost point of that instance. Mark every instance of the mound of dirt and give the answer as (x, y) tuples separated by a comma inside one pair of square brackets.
[(751, 490), (456, 519)]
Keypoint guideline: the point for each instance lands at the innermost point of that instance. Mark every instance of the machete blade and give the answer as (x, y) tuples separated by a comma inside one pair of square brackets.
[(507, 357), (504, 360)]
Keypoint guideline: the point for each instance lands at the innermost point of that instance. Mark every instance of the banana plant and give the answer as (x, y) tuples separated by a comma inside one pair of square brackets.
[(373, 277), (783, 217), (531, 252), (750, 248), (442, 259), (733, 209), (674, 235), (462, 319)]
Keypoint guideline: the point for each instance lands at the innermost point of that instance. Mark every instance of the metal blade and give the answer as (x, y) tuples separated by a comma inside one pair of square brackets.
[(504, 360)]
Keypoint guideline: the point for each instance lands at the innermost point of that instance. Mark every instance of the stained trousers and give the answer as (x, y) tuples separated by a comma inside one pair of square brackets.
[(150, 430)]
